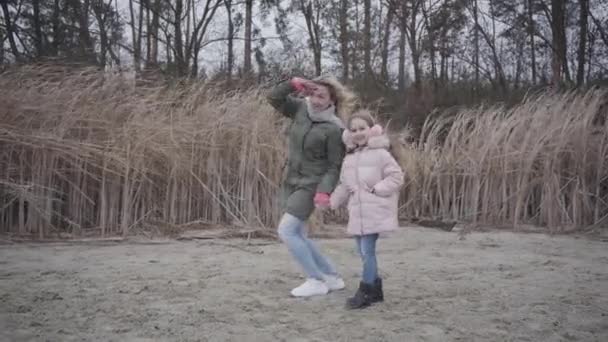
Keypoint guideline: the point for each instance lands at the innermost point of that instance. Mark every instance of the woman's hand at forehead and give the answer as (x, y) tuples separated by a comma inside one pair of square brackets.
[(304, 85)]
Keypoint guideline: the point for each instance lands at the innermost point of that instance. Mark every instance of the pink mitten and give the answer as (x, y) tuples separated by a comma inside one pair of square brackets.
[(376, 130), (298, 83), (321, 200)]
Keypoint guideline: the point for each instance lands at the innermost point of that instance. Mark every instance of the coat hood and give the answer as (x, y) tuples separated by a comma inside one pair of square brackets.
[(376, 140)]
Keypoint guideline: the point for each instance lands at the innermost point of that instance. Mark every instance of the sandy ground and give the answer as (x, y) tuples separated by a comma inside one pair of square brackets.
[(496, 286)]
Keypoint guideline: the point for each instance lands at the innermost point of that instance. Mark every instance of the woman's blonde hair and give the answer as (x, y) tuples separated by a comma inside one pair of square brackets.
[(345, 100)]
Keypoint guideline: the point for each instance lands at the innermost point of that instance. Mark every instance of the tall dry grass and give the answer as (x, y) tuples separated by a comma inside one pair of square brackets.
[(85, 152), (542, 162), (82, 150)]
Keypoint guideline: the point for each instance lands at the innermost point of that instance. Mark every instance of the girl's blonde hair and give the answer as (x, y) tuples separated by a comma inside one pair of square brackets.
[(345, 100), (364, 115)]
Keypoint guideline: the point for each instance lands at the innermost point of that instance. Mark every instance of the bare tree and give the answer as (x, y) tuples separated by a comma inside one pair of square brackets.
[(476, 27), (367, 38), (312, 12), (582, 41), (402, 45), (409, 10), (344, 38), (558, 30), (248, 36), (230, 39), (531, 31), (37, 28), (136, 33), (10, 30), (386, 43)]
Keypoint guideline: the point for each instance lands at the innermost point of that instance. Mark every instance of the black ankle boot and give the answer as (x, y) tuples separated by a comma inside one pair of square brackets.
[(377, 294), (361, 298)]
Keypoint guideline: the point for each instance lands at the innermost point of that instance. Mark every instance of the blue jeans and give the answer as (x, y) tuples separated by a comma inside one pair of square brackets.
[(304, 251), (366, 246)]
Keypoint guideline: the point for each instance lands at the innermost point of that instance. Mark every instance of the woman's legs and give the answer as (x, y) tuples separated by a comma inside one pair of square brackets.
[(291, 232), (321, 261)]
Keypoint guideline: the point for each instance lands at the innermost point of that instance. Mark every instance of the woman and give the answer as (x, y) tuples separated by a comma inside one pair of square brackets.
[(314, 159)]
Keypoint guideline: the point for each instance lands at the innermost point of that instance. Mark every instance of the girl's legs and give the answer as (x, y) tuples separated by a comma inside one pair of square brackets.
[(366, 245), (370, 288)]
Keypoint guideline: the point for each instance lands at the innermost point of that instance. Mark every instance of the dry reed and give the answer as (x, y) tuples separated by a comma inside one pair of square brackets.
[(89, 152)]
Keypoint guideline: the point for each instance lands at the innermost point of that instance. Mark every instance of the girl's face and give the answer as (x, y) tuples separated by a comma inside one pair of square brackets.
[(319, 97), (359, 130)]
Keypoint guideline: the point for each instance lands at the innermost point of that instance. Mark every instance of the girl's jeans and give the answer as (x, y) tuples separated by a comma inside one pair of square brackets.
[(366, 246), (292, 233)]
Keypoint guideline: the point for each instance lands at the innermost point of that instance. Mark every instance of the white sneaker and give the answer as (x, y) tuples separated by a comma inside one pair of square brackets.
[(311, 287), (333, 282)]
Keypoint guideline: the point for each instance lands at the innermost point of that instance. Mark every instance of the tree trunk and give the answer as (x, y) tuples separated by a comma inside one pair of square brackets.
[(519, 63), (148, 35), (559, 43), (580, 73), (344, 39), (443, 72), (318, 38), (431, 42), (402, 42), (248, 27), (103, 38), (189, 39), (230, 62), (1, 48), (531, 29), (367, 38), (476, 43), (413, 42), (182, 69), (590, 54), (87, 50), (140, 27), (10, 31), (56, 29), (153, 61), (386, 43), (136, 48), (37, 28), (313, 34)]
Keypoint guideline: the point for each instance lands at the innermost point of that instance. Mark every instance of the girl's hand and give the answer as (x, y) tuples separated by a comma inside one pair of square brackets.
[(321, 200)]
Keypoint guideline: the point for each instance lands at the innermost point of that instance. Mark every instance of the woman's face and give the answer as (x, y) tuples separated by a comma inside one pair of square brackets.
[(359, 130), (320, 98)]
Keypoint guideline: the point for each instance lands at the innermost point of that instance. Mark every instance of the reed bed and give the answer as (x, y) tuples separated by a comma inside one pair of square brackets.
[(87, 152), (542, 163)]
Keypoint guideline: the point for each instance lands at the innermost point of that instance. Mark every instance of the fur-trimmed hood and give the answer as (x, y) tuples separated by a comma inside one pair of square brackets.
[(376, 140)]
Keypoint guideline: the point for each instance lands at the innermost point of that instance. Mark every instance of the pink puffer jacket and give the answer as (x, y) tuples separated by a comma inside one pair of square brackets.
[(370, 180)]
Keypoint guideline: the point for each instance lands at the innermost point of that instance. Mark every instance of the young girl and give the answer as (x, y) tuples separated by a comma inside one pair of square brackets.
[(370, 180)]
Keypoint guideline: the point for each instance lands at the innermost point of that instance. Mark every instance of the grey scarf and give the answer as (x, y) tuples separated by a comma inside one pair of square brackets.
[(326, 115)]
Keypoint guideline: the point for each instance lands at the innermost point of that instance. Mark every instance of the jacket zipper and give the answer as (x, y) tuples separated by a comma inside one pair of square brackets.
[(359, 191), (302, 147), (304, 137)]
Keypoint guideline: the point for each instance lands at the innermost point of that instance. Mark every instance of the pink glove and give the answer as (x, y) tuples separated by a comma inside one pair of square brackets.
[(321, 200), (298, 83)]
